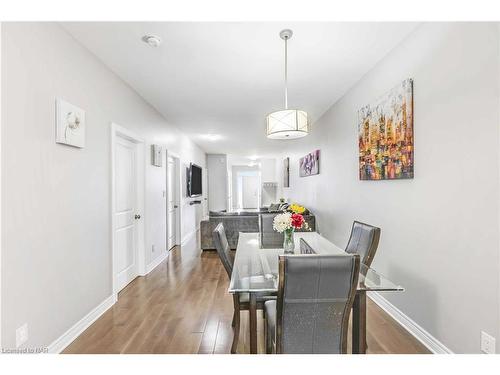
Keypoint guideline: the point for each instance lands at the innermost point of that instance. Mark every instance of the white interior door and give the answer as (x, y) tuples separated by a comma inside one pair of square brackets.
[(172, 207), (250, 191), (125, 228)]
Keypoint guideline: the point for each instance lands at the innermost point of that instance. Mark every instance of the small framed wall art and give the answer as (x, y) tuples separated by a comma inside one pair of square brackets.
[(286, 172), (156, 155), (309, 164), (70, 124)]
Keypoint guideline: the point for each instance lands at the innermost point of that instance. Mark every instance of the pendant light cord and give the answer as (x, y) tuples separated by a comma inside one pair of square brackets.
[(286, 73)]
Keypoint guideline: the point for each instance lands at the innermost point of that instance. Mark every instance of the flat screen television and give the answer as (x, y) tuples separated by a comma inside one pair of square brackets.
[(194, 181)]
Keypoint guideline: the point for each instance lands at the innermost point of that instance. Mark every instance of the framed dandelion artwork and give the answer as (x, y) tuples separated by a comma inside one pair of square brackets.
[(70, 124), (385, 135)]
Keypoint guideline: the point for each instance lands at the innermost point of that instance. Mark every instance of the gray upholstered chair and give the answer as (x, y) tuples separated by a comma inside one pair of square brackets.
[(315, 297), (241, 301), (223, 249), (363, 241), (269, 238)]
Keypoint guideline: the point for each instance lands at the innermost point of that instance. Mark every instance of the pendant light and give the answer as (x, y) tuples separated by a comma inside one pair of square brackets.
[(287, 123)]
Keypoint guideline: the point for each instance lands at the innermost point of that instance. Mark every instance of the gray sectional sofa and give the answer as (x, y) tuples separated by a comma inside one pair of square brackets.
[(236, 222)]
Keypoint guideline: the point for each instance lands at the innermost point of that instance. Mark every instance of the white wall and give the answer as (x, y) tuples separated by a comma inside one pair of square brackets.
[(498, 83), (440, 230), (217, 182), (155, 222), (56, 259), (1, 184), (268, 170)]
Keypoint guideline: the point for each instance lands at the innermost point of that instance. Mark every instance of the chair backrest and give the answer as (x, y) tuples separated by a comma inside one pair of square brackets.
[(315, 297), (269, 238), (363, 241), (220, 241)]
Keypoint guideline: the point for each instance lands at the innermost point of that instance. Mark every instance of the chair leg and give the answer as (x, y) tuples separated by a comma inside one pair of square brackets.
[(234, 319), (236, 330), (269, 343), (267, 335)]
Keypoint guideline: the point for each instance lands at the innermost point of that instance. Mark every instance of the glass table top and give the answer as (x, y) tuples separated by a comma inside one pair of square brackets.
[(256, 269)]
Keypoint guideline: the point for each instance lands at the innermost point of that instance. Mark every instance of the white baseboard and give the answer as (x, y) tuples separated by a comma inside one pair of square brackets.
[(71, 334), (188, 236), (433, 344), (155, 263)]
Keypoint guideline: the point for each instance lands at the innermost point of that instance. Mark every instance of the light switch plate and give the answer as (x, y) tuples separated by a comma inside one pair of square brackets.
[(21, 335), (487, 343)]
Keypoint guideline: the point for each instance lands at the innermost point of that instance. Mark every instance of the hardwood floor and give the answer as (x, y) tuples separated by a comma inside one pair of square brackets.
[(183, 307)]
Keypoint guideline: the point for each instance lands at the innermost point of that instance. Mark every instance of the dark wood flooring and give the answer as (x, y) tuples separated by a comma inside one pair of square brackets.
[(183, 307)]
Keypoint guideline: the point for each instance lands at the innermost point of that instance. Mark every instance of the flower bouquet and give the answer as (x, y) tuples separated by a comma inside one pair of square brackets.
[(287, 223)]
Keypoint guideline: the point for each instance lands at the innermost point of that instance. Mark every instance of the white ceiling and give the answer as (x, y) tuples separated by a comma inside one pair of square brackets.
[(218, 81)]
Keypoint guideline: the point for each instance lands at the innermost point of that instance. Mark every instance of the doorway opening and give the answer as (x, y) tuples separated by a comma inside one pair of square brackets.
[(248, 189)]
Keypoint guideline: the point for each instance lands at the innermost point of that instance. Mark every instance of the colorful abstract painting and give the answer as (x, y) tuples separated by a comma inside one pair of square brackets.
[(309, 164), (385, 130)]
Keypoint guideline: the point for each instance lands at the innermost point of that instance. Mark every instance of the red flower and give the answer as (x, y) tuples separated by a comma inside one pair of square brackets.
[(297, 221)]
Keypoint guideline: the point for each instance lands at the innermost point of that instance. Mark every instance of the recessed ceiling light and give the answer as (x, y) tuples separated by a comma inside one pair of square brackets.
[(212, 137), (152, 40)]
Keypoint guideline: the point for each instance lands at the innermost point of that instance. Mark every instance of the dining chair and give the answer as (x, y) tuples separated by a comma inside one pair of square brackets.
[(269, 238), (363, 241), (241, 301), (315, 297)]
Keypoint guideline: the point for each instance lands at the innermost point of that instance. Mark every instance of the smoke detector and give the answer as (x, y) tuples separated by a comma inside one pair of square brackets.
[(152, 40)]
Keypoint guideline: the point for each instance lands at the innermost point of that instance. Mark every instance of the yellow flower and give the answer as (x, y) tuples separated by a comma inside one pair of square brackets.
[(297, 209)]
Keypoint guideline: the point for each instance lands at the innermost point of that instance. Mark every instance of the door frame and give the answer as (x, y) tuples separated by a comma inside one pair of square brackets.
[(178, 192), (119, 131)]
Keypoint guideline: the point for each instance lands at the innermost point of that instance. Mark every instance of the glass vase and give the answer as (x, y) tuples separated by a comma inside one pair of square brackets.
[(288, 242)]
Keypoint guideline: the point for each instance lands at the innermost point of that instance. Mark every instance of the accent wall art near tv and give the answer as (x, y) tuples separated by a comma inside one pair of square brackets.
[(309, 164), (385, 135), (286, 172)]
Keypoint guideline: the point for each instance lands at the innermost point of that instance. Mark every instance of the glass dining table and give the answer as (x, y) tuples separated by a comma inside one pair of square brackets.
[(255, 270)]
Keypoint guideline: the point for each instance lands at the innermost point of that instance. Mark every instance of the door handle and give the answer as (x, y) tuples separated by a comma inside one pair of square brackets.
[(137, 217)]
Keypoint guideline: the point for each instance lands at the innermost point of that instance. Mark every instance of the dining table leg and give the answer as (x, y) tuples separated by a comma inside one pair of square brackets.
[(253, 323), (359, 323)]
